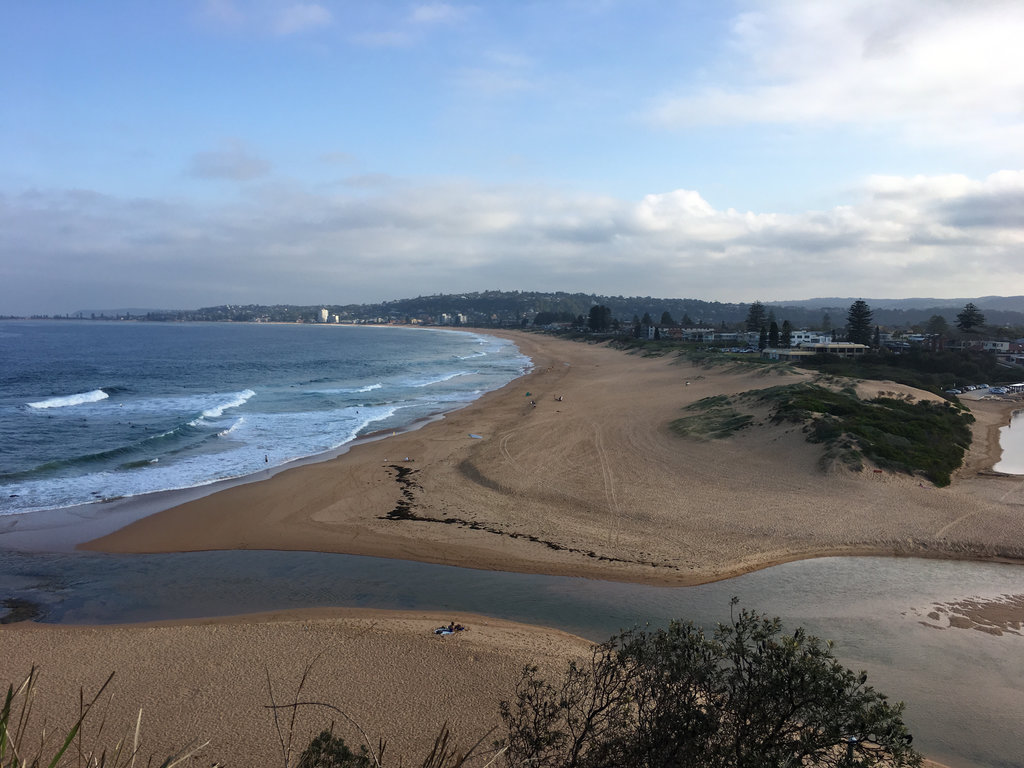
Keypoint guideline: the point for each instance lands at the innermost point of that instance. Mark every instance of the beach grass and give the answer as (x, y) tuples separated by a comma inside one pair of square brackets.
[(24, 746), (894, 433), (712, 418)]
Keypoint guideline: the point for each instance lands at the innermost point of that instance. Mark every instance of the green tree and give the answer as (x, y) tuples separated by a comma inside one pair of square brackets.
[(686, 322), (600, 319), (936, 326), (666, 319), (646, 319), (749, 696), (826, 322), (969, 317), (786, 336), (859, 323), (773, 335), (757, 316), (762, 342)]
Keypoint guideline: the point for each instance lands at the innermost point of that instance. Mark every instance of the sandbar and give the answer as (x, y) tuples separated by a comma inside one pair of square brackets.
[(574, 470)]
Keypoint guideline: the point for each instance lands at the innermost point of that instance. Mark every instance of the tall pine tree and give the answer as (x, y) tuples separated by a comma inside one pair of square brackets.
[(757, 317), (786, 336), (969, 317), (859, 324)]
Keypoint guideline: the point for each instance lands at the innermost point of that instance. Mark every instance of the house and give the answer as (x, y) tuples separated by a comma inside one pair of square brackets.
[(842, 349), (981, 345), (802, 338)]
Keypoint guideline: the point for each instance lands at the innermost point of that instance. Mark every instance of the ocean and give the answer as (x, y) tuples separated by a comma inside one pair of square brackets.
[(93, 411)]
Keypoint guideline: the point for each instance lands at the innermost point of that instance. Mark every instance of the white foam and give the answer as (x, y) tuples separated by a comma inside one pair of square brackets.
[(268, 434), (439, 379), (63, 402), (232, 428), (237, 399)]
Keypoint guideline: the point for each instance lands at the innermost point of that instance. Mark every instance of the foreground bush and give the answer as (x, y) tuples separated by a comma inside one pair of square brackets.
[(748, 696)]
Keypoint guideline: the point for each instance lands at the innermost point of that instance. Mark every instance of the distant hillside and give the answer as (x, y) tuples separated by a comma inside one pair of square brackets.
[(993, 303), (124, 312), (516, 308), (903, 313)]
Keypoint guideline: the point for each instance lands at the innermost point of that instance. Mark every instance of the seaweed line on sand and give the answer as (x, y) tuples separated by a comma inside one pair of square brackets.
[(404, 510)]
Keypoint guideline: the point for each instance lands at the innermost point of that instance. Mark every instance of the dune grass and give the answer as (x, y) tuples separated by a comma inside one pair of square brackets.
[(894, 433), (22, 745), (712, 418)]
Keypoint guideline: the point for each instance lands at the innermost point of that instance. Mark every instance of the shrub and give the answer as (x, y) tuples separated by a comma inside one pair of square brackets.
[(329, 751), (748, 696)]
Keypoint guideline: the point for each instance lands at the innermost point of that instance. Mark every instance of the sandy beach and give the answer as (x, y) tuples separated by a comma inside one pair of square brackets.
[(596, 484), (208, 681), (570, 470)]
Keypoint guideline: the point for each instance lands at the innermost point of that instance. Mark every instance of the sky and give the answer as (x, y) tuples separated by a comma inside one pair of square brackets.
[(184, 154)]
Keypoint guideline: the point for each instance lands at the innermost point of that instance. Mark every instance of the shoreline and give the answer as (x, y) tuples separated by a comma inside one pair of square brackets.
[(63, 529), (212, 679), (593, 506), (174, 521)]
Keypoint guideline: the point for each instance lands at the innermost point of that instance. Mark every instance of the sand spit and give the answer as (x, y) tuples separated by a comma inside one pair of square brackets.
[(207, 680), (573, 470)]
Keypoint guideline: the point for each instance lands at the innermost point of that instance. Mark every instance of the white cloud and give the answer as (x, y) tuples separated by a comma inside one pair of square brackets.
[(436, 13), (500, 72), (221, 13), (935, 236), (412, 27), (948, 72), (233, 162), (301, 17)]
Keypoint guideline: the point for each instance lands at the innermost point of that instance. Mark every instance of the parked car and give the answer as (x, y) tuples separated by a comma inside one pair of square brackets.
[(953, 392)]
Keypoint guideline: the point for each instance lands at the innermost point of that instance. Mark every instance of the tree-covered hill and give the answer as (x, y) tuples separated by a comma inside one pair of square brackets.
[(516, 308)]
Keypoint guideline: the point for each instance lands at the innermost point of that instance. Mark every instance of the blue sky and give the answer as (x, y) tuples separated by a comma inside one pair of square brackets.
[(175, 155)]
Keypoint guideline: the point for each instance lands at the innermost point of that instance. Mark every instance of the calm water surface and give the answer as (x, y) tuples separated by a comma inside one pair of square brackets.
[(1011, 440), (964, 689)]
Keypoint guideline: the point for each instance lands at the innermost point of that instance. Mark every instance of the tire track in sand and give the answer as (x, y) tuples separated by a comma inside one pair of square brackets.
[(608, 479)]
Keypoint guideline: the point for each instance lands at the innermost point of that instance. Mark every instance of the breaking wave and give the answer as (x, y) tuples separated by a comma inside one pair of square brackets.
[(65, 401), (237, 399)]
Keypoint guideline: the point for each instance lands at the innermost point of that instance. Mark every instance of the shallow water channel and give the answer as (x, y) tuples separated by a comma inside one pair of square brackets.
[(1011, 440), (964, 689)]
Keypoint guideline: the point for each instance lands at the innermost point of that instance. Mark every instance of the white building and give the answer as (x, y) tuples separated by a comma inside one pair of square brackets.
[(807, 338)]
